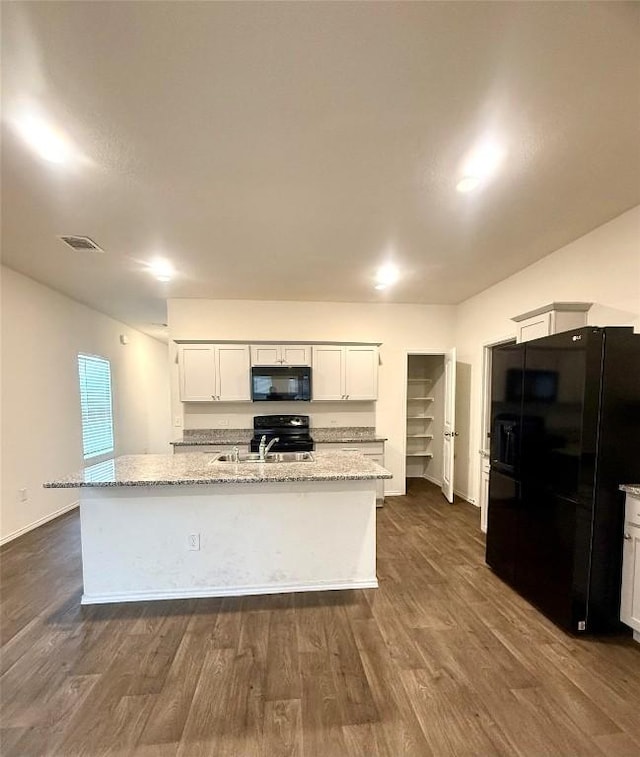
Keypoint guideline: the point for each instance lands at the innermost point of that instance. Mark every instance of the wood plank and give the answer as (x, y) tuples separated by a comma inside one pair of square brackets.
[(282, 729), (443, 658)]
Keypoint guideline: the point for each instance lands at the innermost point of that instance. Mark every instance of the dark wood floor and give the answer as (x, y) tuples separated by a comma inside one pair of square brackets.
[(442, 659)]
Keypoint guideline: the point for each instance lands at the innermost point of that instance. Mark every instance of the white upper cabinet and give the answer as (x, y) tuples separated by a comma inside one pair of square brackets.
[(280, 354), (345, 373), (214, 372), (551, 319), (327, 381)]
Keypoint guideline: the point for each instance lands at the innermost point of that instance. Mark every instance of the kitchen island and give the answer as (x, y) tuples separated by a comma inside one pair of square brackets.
[(179, 526)]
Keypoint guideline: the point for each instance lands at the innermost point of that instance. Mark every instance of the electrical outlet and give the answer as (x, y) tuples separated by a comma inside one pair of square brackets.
[(177, 421), (333, 422), (24, 495), (224, 422), (193, 542)]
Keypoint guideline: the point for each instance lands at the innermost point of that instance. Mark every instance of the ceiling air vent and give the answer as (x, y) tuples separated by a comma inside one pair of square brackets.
[(81, 243)]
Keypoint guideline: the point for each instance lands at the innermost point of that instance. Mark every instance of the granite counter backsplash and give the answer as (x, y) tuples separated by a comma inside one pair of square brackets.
[(341, 435), (194, 437), (346, 434)]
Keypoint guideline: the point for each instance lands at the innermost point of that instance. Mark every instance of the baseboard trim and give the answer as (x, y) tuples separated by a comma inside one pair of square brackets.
[(436, 481), (39, 522), (465, 497), (225, 591)]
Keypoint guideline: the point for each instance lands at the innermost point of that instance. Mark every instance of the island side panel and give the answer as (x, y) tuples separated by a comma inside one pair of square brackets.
[(254, 539)]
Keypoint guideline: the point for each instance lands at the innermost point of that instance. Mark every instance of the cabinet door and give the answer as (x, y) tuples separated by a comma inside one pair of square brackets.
[(232, 366), (630, 601), (265, 354), (328, 373), (361, 373), (197, 369), (295, 354), (534, 327)]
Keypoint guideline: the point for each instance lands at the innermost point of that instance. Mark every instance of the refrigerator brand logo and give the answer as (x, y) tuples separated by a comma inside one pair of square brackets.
[(576, 338)]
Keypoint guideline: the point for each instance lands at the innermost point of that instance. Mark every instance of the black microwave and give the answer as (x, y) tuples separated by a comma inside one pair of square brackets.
[(281, 383)]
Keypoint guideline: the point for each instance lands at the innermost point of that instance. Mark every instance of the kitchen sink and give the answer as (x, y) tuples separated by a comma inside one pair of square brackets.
[(272, 457)]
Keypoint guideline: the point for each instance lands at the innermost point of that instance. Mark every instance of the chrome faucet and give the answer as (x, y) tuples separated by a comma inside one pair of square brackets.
[(263, 449)]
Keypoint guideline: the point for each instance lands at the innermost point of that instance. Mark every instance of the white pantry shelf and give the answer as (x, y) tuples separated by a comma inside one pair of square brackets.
[(419, 454), (421, 417)]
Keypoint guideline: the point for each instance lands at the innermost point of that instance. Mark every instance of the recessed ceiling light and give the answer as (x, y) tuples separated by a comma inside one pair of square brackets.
[(468, 184), (481, 163), (47, 141), (161, 269), (386, 276)]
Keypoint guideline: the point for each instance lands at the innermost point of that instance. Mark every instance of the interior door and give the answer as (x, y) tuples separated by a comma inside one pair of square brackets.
[(449, 423)]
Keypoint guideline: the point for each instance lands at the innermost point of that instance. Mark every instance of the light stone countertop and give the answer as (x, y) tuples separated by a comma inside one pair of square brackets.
[(202, 468), (345, 435), (227, 436), (230, 436), (631, 489)]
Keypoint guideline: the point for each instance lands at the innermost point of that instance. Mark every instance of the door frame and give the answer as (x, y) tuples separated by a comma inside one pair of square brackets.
[(407, 353), (487, 352)]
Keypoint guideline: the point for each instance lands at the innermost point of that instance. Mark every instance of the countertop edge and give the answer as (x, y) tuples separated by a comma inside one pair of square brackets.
[(212, 482)]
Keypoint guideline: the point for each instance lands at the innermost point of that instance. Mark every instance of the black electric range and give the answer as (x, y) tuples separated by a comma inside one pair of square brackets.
[(292, 432)]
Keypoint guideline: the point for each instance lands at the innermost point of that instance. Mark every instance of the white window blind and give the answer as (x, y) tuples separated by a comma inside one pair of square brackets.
[(95, 399)]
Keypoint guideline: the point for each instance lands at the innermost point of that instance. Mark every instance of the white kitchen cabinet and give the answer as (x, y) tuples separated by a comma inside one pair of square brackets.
[(214, 372), (551, 319), (630, 596), (345, 372), (280, 354), (373, 450)]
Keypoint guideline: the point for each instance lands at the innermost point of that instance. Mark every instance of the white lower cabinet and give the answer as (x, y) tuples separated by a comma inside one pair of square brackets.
[(630, 597), (372, 450)]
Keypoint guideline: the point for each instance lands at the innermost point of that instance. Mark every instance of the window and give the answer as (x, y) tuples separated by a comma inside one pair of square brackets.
[(95, 400)]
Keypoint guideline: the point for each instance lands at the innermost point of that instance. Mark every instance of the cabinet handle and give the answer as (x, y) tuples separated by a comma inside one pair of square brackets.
[(627, 537)]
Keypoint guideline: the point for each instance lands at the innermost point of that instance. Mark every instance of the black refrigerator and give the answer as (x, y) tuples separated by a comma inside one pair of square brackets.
[(565, 433)]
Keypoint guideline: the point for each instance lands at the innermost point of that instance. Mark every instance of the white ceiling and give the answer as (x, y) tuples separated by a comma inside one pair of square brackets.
[(285, 150)]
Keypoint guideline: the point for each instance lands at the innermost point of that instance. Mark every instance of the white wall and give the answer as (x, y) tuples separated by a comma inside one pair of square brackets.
[(399, 328), (42, 333), (602, 267)]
